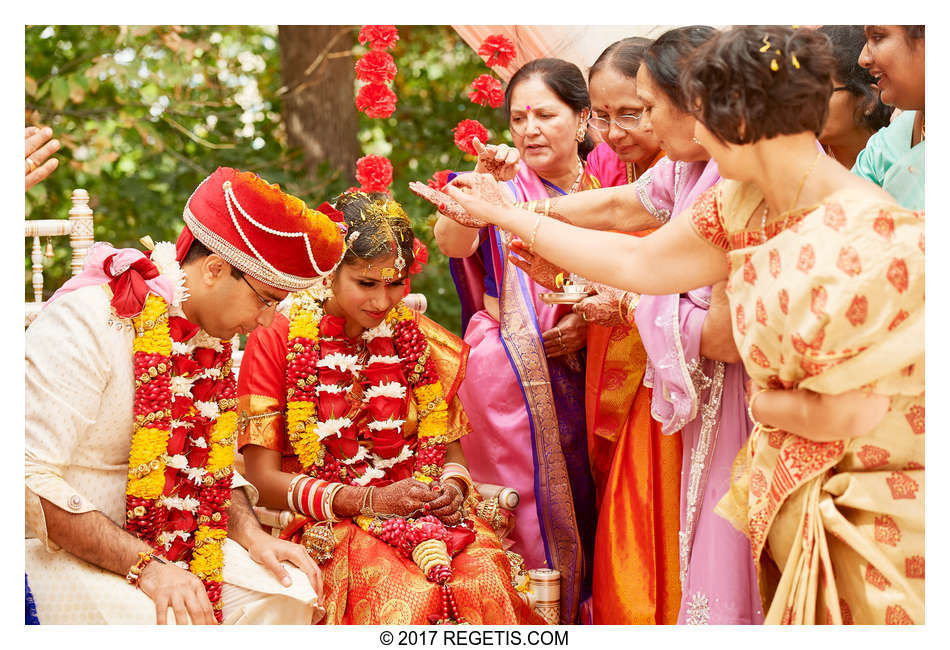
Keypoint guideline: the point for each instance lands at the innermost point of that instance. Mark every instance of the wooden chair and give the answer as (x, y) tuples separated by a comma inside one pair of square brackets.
[(80, 231)]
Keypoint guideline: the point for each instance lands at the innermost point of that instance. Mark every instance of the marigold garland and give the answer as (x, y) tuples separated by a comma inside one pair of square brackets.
[(202, 434)]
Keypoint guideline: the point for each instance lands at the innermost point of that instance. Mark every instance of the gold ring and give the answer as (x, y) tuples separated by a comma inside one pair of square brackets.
[(33, 165)]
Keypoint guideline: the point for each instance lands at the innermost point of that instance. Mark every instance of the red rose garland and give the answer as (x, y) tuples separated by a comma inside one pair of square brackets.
[(374, 173), (465, 131), (486, 90), (499, 51)]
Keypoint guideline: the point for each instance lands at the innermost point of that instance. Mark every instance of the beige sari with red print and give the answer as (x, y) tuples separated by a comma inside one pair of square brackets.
[(832, 301)]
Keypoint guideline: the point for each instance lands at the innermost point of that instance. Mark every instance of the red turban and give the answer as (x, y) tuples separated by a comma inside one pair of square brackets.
[(261, 230)]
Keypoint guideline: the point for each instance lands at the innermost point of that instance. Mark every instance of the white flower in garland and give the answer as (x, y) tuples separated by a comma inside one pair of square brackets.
[(209, 410), (376, 358), (189, 504), (181, 348), (179, 423), (178, 461), (379, 425), (331, 388), (181, 385), (370, 474), (332, 427), (198, 442), (391, 389), (357, 457), (341, 362), (196, 474), (163, 257), (383, 330), (385, 463), (213, 373)]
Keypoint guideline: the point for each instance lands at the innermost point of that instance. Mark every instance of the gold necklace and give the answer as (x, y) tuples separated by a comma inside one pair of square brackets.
[(801, 185), (580, 175), (631, 172)]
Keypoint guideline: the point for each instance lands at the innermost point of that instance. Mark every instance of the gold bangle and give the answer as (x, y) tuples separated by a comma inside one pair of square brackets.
[(755, 422), (547, 206), (534, 233), (290, 491)]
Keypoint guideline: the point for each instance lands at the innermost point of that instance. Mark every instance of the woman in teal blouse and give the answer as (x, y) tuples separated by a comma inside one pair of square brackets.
[(894, 156)]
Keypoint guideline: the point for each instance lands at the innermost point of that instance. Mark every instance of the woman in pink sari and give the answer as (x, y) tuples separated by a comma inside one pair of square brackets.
[(524, 387)]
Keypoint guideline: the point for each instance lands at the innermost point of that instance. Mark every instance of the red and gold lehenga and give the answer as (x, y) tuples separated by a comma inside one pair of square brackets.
[(366, 581)]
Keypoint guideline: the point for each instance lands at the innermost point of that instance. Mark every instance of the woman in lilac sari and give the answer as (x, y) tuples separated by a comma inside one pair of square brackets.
[(524, 386), (693, 365)]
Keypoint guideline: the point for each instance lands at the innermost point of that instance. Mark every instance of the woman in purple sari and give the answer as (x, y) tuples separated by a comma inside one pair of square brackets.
[(524, 386), (693, 366)]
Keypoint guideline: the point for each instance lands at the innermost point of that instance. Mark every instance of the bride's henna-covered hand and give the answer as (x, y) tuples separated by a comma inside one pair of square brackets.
[(446, 205), (539, 269)]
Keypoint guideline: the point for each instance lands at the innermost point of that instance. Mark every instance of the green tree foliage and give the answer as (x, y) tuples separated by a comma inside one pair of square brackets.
[(145, 113)]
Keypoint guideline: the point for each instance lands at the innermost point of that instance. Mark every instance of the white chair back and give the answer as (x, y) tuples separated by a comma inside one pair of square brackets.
[(80, 231)]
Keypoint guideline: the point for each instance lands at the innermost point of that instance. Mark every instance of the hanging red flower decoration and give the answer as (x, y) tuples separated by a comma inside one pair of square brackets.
[(420, 255), (486, 90), (499, 50), (439, 179), (374, 173), (465, 131), (376, 100), (376, 66), (379, 37)]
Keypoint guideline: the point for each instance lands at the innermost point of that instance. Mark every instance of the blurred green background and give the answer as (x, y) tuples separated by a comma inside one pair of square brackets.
[(145, 113)]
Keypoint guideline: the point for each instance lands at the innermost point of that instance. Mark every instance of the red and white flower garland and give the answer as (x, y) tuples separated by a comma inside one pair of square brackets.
[(182, 452), (326, 373)]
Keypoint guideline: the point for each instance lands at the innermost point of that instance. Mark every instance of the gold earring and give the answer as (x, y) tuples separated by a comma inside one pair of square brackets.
[(581, 132)]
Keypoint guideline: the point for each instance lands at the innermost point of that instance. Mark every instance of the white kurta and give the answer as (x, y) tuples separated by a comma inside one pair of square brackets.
[(79, 422)]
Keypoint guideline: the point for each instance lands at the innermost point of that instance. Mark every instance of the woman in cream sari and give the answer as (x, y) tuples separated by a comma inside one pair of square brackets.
[(826, 279)]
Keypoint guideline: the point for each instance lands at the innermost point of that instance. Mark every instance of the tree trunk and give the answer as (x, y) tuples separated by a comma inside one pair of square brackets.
[(319, 102)]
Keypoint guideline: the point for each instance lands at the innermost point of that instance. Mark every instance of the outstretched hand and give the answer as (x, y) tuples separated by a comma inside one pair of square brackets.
[(539, 269), (446, 205), (499, 160)]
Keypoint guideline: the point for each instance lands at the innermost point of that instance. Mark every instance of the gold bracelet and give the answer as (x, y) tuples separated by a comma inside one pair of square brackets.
[(547, 206), (366, 507), (534, 233), (755, 422)]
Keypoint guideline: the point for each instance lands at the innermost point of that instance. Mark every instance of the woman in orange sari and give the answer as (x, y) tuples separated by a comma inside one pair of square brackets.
[(635, 467), (353, 422)]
